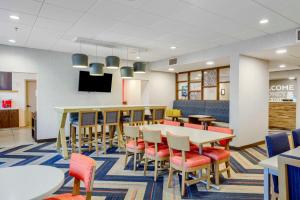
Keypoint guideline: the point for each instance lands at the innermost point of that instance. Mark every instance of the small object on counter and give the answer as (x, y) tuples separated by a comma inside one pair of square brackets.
[(6, 103)]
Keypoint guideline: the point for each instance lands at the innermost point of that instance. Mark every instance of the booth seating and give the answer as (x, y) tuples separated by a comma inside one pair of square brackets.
[(296, 137), (217, 109)]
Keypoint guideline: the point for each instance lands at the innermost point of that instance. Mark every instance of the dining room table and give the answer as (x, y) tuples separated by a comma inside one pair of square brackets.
[(29, 182), (196, 136), (205, 120), (270, 166)]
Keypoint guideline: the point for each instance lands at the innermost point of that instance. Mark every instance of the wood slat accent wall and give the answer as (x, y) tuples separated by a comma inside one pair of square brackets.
[(282, 115)]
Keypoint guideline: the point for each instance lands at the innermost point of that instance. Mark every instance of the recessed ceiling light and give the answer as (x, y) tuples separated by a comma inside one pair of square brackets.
[(264, 21), (292, 78), (138, 57), (171, 69), (173, 47), (210, 62), (12, 41), (282, 66), (15, 17), (281, 51)]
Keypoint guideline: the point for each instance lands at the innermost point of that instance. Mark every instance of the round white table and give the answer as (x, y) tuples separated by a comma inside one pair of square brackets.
[(29, 182)]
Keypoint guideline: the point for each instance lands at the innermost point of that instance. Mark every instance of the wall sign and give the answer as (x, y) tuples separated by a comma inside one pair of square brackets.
[(282, 90)]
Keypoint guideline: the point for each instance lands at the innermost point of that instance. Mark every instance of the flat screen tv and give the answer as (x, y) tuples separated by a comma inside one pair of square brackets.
[(89, 83)]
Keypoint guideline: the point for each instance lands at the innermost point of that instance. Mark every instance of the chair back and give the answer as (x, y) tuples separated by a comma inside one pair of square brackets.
[(131, 131), (289, 177), (171, 123), (195, 126), (223, 143), (88, 118), (175, 142), (277, 144), (111, 117), (158, 114), (152, 136), (296, 137), (138, 116), (83, 168)]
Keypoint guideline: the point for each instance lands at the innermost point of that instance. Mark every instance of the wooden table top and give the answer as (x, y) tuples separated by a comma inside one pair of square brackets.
[(196, 136), (200, 116)]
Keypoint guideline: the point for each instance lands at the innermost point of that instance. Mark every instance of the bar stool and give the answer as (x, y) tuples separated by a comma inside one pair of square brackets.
[(154, 150), (137, 117), (134, 145), (89, 120), (158, 115), (111, 118)]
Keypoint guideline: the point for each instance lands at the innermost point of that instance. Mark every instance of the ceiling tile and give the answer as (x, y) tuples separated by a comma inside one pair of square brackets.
[(25, 19), (52, 24), (26, 6), (8, 32), (42, 38), (59, 13), (73, 4)]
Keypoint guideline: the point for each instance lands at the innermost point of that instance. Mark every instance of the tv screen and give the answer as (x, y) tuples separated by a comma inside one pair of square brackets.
[(94, 83)]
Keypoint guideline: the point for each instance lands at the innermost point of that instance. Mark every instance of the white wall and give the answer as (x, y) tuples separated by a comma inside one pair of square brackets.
[(249, 81), (18, 98), (57, 84)]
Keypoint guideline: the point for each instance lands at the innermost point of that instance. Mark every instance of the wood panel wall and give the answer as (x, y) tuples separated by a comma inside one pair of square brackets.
[(282, 115)]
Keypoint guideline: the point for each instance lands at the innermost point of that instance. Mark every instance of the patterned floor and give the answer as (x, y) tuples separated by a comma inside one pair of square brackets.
[(114, 181)]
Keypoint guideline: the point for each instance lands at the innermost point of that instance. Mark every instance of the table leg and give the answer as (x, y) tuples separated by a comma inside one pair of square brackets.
[(61, 143), (266, 184)]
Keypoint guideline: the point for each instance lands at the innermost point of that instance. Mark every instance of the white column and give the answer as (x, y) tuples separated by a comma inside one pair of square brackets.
[(249, 80)]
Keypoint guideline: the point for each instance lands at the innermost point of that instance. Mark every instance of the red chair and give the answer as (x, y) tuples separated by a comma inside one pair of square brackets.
[(155, 150), (171, 123), (82, 168), (221, 154), (186, 161), (195, 126)]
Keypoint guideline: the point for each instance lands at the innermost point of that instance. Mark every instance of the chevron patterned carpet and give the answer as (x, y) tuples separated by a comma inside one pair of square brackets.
[(115, 181)]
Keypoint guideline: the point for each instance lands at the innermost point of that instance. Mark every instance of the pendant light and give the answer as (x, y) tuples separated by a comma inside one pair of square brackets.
[(79, 60), (96, 69), (112, 62), (139, 67), (126, 71)]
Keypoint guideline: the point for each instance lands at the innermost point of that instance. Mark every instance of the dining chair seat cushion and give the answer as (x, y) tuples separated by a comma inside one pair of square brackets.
[(193, 159), (66, 196), (194, 147), (132, 145), (216, 153), (164, 140), (162, 150)]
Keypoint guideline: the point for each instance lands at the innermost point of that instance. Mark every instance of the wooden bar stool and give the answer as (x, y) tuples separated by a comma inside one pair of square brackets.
[(111, 118), (158, 115), (86, 120), (137, 117)]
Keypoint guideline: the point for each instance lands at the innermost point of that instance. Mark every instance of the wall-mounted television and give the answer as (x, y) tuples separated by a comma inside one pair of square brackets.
[(89, 83)]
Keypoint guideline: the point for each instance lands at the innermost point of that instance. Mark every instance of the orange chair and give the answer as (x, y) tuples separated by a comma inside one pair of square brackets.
[(154, 150), (219, 155), (171, 123), (195, 126), (134, 145), (186, 161), (82, 168)]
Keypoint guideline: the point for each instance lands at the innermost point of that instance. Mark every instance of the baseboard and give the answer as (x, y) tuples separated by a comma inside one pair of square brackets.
[(48, 140), (248, 145)]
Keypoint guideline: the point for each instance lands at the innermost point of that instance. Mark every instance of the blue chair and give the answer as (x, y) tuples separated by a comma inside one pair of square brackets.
[(277, 144), (296, 137), (289, 177)]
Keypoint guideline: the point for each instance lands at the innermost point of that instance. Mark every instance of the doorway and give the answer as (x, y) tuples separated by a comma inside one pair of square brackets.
[(30, 101)]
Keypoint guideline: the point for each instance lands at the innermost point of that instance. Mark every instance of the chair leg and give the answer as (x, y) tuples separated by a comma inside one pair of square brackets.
[(145, 166), (79, 139), (134, 162), (155, 170), (183, 183), (104, 138), (73, 137), (126, 157), (217, 175), (208, 177), (90, 138), (170, 178), (96, 141), (227, 164)]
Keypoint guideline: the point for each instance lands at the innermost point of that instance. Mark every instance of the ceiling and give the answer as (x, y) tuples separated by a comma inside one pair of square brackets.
[(291, 59), (190, 25)]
